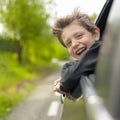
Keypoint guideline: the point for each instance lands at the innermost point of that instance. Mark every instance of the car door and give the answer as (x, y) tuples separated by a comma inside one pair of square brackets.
[(108, 68)]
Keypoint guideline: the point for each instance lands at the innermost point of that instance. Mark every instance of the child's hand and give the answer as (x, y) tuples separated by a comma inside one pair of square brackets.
[(57, 86), (57, 89)]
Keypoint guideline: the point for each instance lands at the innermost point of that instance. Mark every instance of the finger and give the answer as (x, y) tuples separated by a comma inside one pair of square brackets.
[(56, 82), (56, 88)]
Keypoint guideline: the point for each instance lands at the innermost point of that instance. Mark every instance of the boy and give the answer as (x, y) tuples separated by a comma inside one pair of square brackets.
[(80, 36)]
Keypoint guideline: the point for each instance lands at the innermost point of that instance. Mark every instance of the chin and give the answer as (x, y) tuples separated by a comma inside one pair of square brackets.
[(78, 57)]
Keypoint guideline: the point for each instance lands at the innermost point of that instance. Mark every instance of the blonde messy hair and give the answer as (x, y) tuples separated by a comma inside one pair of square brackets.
[(82, 19)]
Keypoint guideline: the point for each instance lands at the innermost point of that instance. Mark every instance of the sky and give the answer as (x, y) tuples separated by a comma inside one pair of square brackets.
[(64, 7), (1, 28)]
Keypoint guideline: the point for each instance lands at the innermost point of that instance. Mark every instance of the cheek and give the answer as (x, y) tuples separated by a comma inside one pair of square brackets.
[(70, 52), (90, 41)]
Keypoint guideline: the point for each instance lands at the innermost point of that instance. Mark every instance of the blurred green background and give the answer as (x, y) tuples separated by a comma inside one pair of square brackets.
[(74, 110), (27, 49)]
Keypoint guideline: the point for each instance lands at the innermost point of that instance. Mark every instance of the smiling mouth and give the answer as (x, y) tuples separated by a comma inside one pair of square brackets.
[(80, 51)]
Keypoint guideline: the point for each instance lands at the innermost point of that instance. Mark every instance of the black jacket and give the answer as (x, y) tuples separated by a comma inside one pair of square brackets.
[(73, 70)]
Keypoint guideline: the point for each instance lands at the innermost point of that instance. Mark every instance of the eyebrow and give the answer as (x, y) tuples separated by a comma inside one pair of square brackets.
[(77, 33), (67, 41)]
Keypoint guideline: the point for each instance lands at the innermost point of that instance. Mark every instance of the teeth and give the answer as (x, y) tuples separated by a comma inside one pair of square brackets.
[(81, 51)]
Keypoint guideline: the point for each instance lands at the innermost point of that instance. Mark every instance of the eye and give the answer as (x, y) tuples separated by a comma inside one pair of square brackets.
[(78, 36), (68, 43)]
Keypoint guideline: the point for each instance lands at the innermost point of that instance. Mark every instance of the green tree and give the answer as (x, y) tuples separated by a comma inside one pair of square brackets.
[(26, 22), (93, 16)]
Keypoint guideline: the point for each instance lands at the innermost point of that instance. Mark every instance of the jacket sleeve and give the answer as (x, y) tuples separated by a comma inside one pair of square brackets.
[(72, 71)]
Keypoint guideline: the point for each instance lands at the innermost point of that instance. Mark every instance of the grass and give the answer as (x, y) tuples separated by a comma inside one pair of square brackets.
[(74, 111), (17, 81), (12, 96)]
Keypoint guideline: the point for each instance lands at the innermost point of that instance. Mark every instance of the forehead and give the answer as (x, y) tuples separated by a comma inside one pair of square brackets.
[(74, 24), (72, 29)]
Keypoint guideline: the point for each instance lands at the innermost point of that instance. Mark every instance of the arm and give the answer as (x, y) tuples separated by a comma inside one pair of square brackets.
[(72, 71)]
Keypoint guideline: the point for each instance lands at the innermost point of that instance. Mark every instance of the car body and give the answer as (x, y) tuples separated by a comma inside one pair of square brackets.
[(102, 93)]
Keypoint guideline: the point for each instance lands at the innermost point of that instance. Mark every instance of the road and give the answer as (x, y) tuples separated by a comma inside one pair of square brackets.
[(43, 103)]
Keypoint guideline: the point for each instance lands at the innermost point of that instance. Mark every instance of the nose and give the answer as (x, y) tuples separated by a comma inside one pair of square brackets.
[(74, 44)]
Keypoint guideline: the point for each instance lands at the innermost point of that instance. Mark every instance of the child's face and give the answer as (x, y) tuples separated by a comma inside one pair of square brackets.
[(78, 40)]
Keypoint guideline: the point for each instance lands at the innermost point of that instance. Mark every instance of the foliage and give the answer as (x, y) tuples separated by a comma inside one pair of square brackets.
[(26, 21), (94, 16), (11, 97), (26, 39), (74, 111), (16, 81)]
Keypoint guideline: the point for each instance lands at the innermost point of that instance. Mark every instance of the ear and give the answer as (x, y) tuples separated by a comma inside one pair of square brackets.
[(97, 34)]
